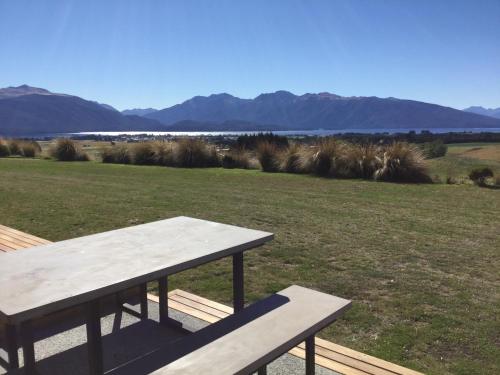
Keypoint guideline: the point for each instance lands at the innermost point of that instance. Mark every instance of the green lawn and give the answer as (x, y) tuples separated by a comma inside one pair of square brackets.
[(420, 262)]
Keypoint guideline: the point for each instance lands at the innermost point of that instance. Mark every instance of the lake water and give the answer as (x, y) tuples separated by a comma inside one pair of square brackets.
[(319, 132)]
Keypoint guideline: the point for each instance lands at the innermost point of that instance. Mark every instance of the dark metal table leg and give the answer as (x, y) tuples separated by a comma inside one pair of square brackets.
[(11, 338), (28, 348), (238, 284), (163, 299), (144, 301), (310, 355), (94, 339)]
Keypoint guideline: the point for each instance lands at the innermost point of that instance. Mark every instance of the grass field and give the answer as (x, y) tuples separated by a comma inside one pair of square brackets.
[(463, 157), (420, 262)]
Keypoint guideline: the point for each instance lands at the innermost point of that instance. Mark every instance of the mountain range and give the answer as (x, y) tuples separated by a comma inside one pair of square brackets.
[(27, 110), (492, 112), (139, 111)]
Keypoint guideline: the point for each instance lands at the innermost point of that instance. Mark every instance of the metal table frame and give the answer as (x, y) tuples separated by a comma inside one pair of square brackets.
[(93, 325)]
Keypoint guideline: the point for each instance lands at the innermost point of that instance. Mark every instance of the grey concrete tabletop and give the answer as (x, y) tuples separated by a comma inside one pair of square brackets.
[(47, 278)]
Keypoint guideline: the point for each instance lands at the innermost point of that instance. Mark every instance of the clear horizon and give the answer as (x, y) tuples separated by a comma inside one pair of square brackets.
[(148, 54)]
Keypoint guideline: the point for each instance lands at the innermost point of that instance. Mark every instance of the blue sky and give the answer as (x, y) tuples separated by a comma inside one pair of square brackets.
[(159, 53)]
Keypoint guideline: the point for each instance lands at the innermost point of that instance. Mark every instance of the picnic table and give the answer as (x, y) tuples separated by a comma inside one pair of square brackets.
[(49, 278)]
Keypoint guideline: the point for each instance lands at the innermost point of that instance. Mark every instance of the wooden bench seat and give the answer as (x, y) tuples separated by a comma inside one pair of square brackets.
[(248, 341)]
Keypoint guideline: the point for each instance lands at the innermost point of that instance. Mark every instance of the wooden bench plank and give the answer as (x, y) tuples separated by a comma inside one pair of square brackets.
[(328, 363), (200, 311), (11, 245), (23, 234), (4, 247), (16, 241), (200, 314), (394, 368), (15, 237), (351, 362), (210, 310), (204, 301), (242, 343)]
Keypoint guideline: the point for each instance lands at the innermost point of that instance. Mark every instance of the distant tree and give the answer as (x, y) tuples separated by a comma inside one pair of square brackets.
[(4, 149), (252, 141), (434, 149)]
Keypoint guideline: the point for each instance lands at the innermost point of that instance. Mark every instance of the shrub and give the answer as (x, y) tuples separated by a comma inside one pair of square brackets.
[(434, 149), (119, 154), (28, 149), (66, 149), (164, 154), (37, 146), (195, 153), (402, 163), (252, 141), (14, 147), (267, 154), (143, 154), (107, 155), (236, 159), (82, 156), (4, 149), (451, 180), (213, 158), (479, 175)]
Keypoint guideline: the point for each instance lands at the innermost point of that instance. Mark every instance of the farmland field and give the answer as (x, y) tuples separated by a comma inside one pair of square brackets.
[(420, 262)]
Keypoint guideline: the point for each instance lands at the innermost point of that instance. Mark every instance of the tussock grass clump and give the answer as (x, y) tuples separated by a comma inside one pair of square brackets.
[(107, 155), (19, 147), (296, 159), (188, 153), (28, 149), (4, 149), (402, 162), (15, 147), (143, 154), (195, 153), (119, 154), (365, 160), (66, 149), (268, 156), (164, 153), (238, 158), (479, 175), (324, 161)]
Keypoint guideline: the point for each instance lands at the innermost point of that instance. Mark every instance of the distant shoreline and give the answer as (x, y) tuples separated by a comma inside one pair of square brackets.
[(318, 132)]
